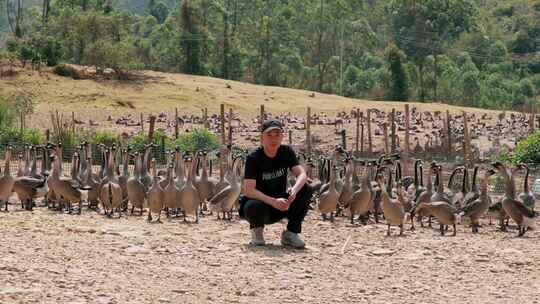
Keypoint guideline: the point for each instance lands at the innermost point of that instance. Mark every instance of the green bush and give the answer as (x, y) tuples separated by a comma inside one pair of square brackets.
[(14, 136), (64, 70), (198, 140), (104, 137), (7, 117), (502, 155), (528, 150)]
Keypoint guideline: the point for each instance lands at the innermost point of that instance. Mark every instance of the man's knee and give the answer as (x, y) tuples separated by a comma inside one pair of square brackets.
[(305, 193), (253, 208)]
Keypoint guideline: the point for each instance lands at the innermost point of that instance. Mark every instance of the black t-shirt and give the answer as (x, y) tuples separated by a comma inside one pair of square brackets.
[(271, 173)]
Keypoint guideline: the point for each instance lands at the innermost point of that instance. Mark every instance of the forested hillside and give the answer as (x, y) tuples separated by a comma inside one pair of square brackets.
[(483, 53)]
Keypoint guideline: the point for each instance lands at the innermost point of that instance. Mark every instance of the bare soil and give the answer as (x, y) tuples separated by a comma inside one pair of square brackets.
[(50, 257)]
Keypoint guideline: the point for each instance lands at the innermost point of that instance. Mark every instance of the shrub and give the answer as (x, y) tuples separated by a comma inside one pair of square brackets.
[(528, 150), (15, 136), (7, 117), (198, 140), (104, 137)]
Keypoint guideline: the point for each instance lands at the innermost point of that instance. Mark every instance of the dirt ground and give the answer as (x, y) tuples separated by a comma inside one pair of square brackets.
[(49, 257)]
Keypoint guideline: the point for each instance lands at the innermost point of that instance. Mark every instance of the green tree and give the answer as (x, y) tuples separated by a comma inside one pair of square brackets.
[(398, 83)]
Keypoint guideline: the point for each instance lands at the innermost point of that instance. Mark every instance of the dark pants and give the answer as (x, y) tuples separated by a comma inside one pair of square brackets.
[(258, 213)]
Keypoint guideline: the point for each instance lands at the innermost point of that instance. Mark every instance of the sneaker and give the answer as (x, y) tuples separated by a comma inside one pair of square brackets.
[(257, 237), (292, 239)]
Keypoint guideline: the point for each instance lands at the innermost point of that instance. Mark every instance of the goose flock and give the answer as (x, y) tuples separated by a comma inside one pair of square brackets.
[(178, 190), (380, 193)]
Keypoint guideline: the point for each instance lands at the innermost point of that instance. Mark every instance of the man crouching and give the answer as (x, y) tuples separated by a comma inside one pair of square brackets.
[(266, 198)]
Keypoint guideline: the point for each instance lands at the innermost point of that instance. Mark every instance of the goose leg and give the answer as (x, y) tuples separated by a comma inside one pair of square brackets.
[(352, 218), (324, 218), (159, 217), (149, 219), (388, 231), (401, 229), (332, 217), (197, 216), (80, 207), (455, 230), (441, 227), (132, 208)]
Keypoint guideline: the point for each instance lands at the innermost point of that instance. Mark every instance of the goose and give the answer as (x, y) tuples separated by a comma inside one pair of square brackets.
[(189, 196), (146, 179), (474, 194), (155, 194), (222, 183), (477, 208), (171, 192), (203, 184), (180, 170), (347, 189), (423, 198), (393, 210), (457, 198), (523, 216), (135, 188), (225, 200), (70, 190), (111, 191), (527, 196), (328, 200), (122, 179), (445, 214), (90, 181), (361, 201), (6, 181), (439, 195)]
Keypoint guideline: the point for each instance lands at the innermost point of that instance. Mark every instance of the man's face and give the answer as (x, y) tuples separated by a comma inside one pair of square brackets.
[(272, 139)]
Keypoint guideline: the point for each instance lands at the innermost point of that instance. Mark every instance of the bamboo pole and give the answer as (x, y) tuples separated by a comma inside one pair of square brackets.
[(151, 128), (407, 148), (393, 130), (466, 141), (176, 123), (385, 134), (261, 120), (449, 131), (230, 127), (308, 131), (142, 123), (222, 122), (362, 133), (370, 143), (357, 132)]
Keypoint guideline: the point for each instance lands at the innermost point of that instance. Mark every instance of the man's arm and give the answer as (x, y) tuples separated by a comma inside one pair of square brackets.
[(251, 192), (301, 179)]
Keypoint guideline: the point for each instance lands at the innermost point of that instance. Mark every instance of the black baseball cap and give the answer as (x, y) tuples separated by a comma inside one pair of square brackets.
[(271, 124)]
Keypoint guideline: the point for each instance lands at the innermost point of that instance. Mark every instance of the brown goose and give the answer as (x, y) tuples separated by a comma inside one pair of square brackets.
[(189, 196), (155, 195), (111, 191), (361, 201), (70, 190), (203, 184), (171, 192), (393, 210), (523, 216), (477, 208), (6, 181), (443, 212), (527, 196), (225, 200), (135, 188), (328, 200)]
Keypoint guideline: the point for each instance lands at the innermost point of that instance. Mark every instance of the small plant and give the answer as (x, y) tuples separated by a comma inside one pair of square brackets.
[(104, 137), (528, 150), (198, 140)]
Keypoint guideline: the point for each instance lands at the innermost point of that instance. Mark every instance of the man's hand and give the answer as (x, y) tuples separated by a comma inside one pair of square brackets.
[(281, 204), (292, 195)]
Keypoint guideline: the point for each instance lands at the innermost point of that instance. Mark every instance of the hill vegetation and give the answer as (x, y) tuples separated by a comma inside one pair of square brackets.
[(481, 53)]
